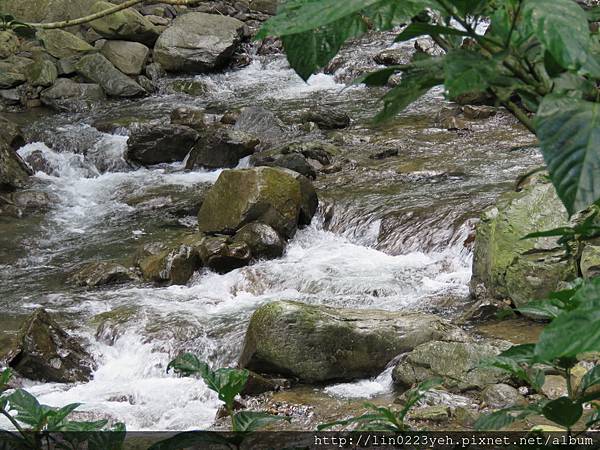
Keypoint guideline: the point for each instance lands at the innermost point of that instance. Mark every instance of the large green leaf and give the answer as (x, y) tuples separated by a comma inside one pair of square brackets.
[(569, 134), (245, 421), (187, 364), (28, 409), (468, 72), (387, 14), (563, 411), (591, 378), (504, 417), (56, 417), (562, 27), (192, 439)]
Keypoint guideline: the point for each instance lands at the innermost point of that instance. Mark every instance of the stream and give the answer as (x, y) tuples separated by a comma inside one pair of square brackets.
[(393, 233)]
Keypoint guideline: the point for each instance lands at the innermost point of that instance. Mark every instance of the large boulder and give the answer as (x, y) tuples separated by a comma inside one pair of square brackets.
[(45, 352), (198, 42), (41, 73), (505, 265), (277, 197), (47, 10), (62, 44), (319, 343), (128, 57), (67, 95), (153, 144), (14, 172), (97, 69), (221, 147), (126, 25), (457, 362)]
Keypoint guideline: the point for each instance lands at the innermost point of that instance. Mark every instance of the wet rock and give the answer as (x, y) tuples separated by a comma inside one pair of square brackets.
[(41, 73), (128, 57), (126, 25), (189, 117), (147, 84), (11, 134), (387, 153), (153, 144), (231, 117), (62, 44), (98, 274), (98, 69), (319, 343), (589, 263), (67, 95), (195, 88), (24, 203), (555, 386), (327, 119), (175, 265), (9, 96), (501, 396), (292, 161), (504, 265), (262, 123), (428, 46), (222, 255), (45, 352), (155, 72), (393, 57), (10, 77), (456, 362), (9, 44), (478, 112), (110, 324), (221, 147), (257, 384), (264, 242), (265, 6), (198, 42), (14, 172), (276, 197)]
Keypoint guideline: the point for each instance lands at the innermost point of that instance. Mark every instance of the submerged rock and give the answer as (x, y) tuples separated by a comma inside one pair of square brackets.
[(277, 197), (506, 266), (45, 352), (319, 343), (153, 144), (221, 147), (198, 42), (456, 362), (98, 274), (98, 69)]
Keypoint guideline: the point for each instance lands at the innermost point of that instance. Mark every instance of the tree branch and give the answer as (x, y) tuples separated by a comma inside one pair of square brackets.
[(106, 12)]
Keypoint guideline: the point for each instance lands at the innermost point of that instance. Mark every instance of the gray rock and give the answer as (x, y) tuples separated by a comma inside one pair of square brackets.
[(262, 123), (174, 265), (198, 42), (66, 95), (264, 242), (45, 352), (14, 172), (153, 144), (501, 396), (126, 25), (222, 255), (221, 147), (62, 44), (189, 117), (319, 343), (9, 44), (128, 57), (102, 274), (292, 161), (155, 72), (41, 73), (98, 69), (327, 118)]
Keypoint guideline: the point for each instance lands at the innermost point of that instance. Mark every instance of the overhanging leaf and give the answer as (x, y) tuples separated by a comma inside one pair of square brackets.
[(29, 411), (569, 134), (468, 72), (417, 29), (245, 421), (563, 411), (591, 378)]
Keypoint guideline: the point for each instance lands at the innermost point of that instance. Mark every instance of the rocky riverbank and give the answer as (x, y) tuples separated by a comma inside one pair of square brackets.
[(182, 190)]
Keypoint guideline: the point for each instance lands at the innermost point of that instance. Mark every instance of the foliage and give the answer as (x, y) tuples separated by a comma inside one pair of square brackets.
[(228, 384), (36, 423), (8, 22), (536, 55), (385, 419), (575, 315)]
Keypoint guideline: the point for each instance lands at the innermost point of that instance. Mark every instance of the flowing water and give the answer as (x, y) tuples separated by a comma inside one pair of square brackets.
[(391, 234)]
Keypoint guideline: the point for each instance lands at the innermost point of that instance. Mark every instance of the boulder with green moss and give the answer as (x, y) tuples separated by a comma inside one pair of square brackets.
[(62, 44), (127, 25), (41, 73), (457, 362), (277, 197), (507, 266), (9, 44), (97, 69), (319, 343)]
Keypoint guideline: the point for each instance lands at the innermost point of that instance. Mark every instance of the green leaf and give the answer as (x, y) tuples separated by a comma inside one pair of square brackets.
[(379, 77), (417, 29), (563, 411), (29, 411), (5, 377), (191, 439), (591, 378), (245, 421), (542, 309), (522, 353), (415, 83), (112, 439), (387, 14), (569, 134), (187, 364), (76, 426), (55, 418), (468, 72), (504, 417), (562, 28), (561, 231)]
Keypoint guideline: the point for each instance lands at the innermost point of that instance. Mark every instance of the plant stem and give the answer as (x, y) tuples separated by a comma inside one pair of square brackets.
[(106, 12), (17, 427), (569, 383)]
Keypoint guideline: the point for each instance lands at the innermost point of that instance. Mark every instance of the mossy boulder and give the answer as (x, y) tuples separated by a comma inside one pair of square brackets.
[(319, 343), (99, 274), (67, 95), (9, 44), (47, 10), (97, 69), (277, 197), (126, 25), (41, 73), (198, 42), (174, 265), (456, 362), (221, 147), (45, 352), (222, 255), (62, 44), (505, 265)]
